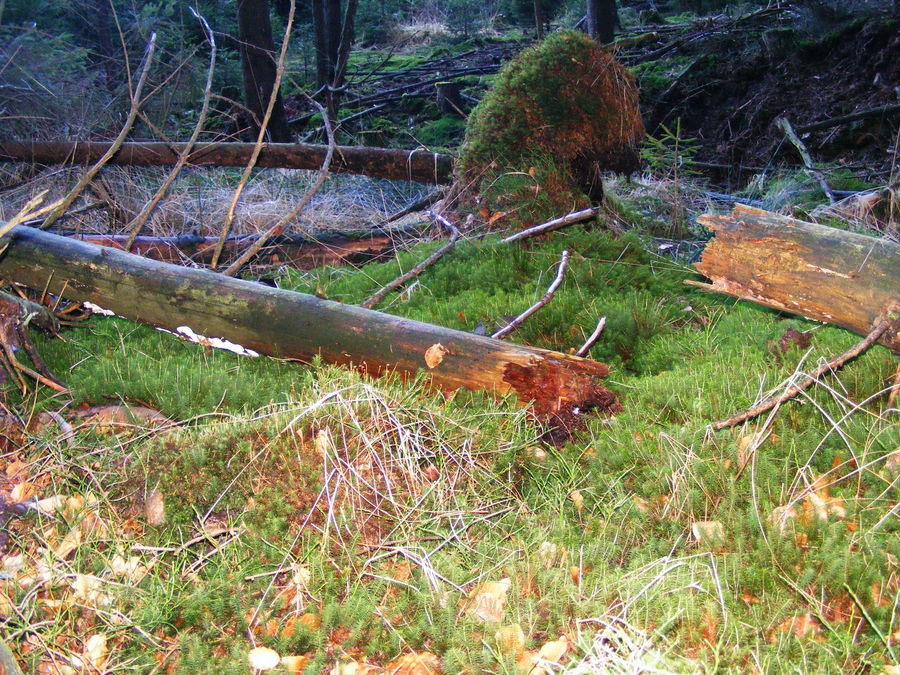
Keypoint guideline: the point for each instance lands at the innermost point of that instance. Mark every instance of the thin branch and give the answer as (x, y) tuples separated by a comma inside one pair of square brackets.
[(548, 296), (828, 366), (586, 347), (138, 222), (123, 134), (376, 297), (280, 226), (555, 224), (805, 156), (257, 148)]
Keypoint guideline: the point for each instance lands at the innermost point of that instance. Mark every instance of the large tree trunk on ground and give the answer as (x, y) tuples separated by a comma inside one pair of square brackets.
[(294, 325), (819, 272), (426, 167), (259, 64)]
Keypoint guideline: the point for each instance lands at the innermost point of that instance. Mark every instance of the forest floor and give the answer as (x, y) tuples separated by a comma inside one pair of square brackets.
[(204, 512)]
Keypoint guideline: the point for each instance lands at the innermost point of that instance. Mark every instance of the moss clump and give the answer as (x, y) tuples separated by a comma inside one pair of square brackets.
[(559, 113)]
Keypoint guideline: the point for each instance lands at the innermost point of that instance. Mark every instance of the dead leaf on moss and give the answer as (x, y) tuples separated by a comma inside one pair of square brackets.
[(88, 589), (487, 601), (578, 500), (434, 355), (551, 555), (708, 533), (542, 661), (294, 664), (93, 656), (510, 641), (22, 491), (263, 658), (422, 663), (155, 508), (801, 627), (354, 668)]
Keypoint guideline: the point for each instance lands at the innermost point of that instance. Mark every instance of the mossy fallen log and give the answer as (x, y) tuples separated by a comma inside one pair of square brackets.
[(294, 325), (830, 275), (416, 165)]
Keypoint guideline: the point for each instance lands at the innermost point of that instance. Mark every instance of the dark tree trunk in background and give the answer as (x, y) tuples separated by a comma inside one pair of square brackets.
[(105, 29), (334, 34), (602, 18), (259, 62), (321, 42), (538, 20)]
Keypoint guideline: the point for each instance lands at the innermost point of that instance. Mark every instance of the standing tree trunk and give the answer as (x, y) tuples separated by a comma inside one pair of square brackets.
[(602, 18), (259, 66), (538, 20), (333, 36)]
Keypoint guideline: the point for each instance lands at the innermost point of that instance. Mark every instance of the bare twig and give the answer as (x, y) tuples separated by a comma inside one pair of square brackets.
[(831, 365), (548, 296), (264, 123), (280, 226), (27, 212), (376, 297), (123, 134), (555, 224), (805, 156), (138, 222), (586, 347)]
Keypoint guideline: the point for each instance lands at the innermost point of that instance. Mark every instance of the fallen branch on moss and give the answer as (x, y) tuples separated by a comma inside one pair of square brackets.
[(829, 366), (555, 224), (548, 296), (377, 297), (274, 321)]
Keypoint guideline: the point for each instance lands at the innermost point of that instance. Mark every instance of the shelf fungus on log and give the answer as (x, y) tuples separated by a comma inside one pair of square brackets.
[(294, 325), (822, 273)]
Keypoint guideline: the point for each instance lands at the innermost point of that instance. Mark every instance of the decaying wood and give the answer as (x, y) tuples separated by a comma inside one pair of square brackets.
[(822, 273), (417, 165), (301, 251), (829, 366), (293, 325)]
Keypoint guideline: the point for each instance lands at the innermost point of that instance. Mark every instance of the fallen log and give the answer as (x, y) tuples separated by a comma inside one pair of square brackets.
[(822, 273), (302, 252), (294, 325), (417, 165)]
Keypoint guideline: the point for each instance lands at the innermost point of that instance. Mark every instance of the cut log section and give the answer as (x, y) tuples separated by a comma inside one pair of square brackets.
[(293, 325), (416, 165), (822, 273)]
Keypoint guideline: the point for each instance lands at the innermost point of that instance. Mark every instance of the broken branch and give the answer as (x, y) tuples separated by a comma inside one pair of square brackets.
[(828, 366), (548, 296), (376, 297), (555, 224)]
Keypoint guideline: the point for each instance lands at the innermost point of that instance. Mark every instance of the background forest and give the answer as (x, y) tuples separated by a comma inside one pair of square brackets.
[(172, 507)]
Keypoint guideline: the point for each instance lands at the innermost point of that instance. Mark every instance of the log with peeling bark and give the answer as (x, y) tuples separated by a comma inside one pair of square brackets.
[(295, 325), (830, 275), (302, 252), (416, 165)]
